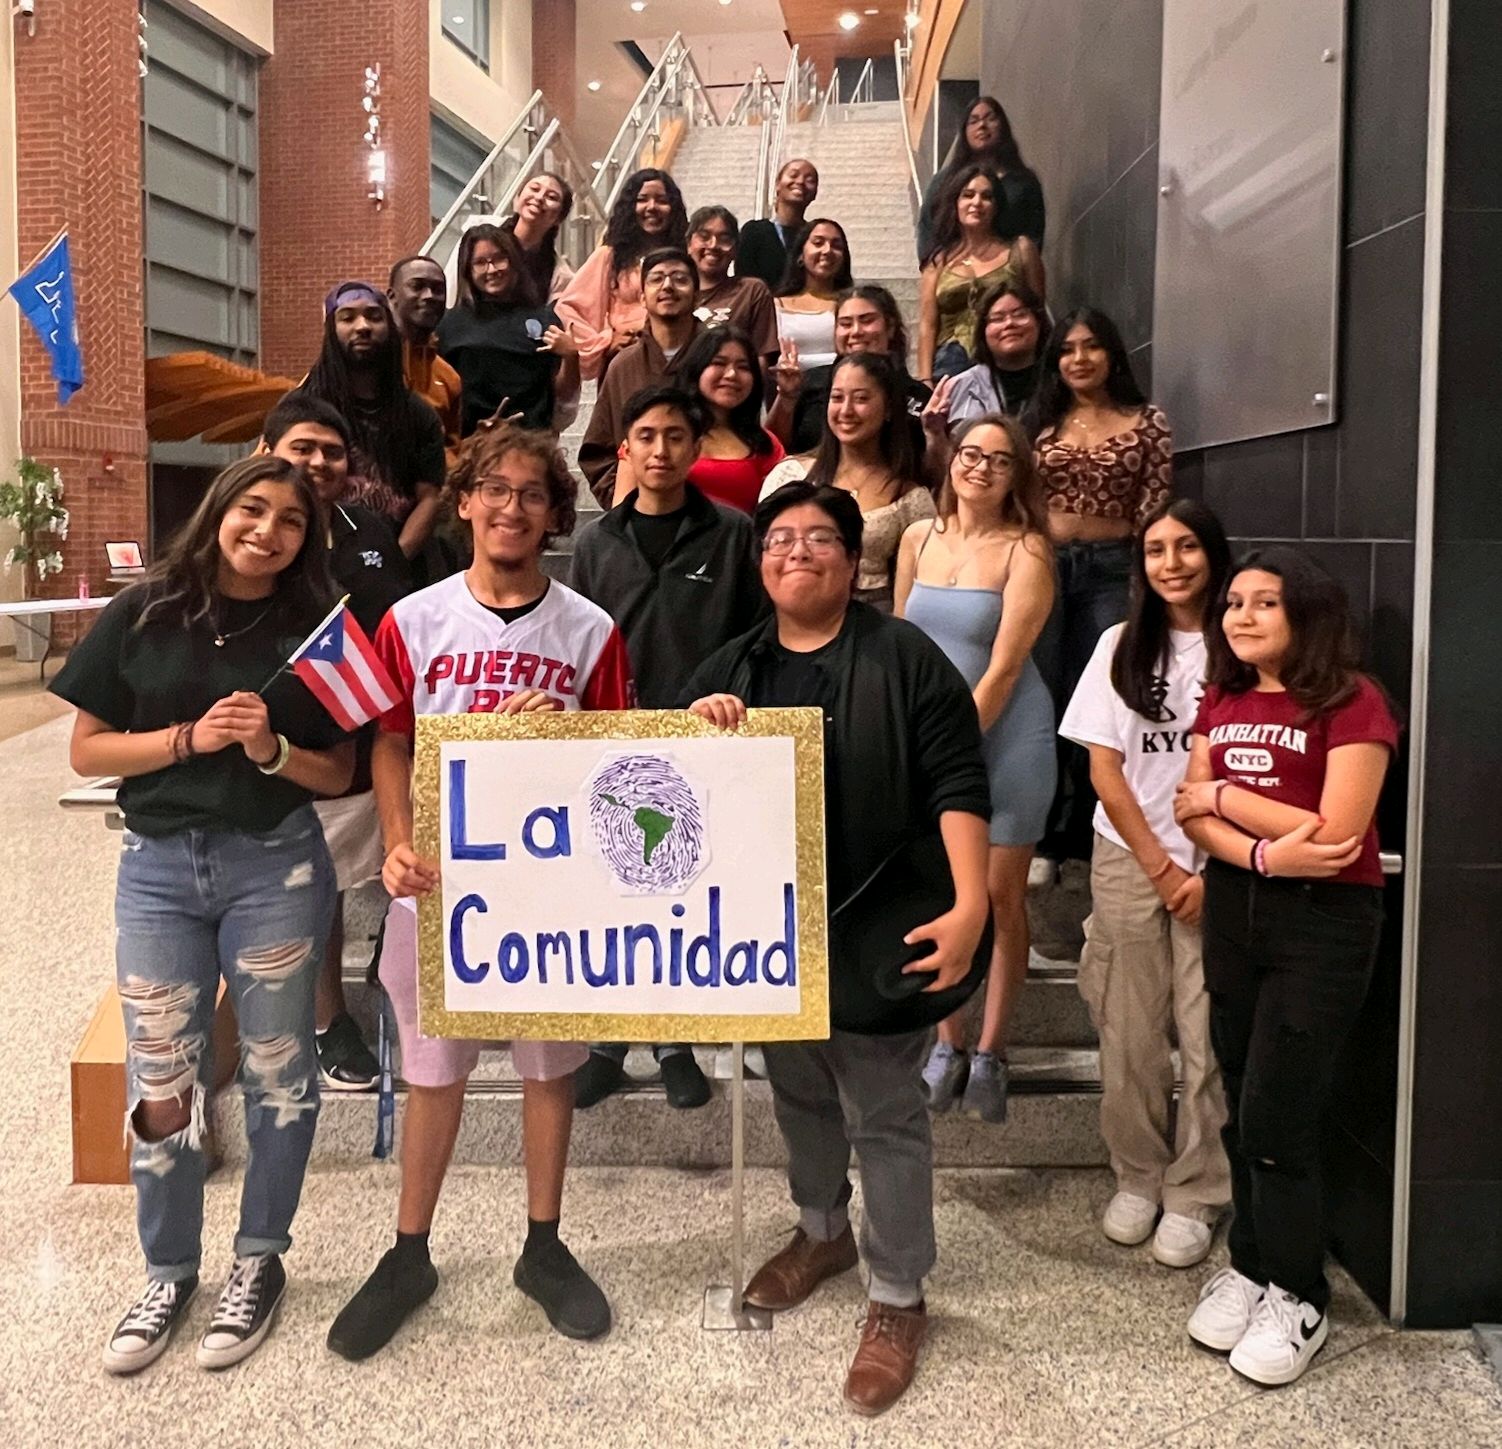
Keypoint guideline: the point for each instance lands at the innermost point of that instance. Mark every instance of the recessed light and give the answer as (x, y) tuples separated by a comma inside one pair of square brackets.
[(593, 85), (849, 20), (638, 5), (456, 20), (873, 11)]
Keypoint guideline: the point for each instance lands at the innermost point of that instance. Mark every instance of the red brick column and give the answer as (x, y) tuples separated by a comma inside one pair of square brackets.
[(318, 225), (78, 149), (554, 56)]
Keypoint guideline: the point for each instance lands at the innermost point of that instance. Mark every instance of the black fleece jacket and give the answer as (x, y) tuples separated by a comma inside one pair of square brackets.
[(707, 590)]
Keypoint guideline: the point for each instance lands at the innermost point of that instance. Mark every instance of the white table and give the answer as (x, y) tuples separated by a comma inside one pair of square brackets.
[(22, 609)]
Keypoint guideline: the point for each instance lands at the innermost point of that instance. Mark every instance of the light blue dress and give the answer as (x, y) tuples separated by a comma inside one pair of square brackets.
[(1019, 747)]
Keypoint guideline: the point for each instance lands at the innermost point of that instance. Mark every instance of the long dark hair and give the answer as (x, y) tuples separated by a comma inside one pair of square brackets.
[(1140, 663), (1025, 505), (623, 234), (947, 231), (1054, 395), (795, 274), (1319, 670), (523, 284), (543, 262), (182, 583), (886, 304), (1005, 153), (896, 439), (395, 452), (744, 421)]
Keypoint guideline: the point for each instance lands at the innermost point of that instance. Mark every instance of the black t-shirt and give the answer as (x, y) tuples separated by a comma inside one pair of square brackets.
[(786, 679), (370, 461), (494, 351), (510, 613), (654, 533), (145, 679), (812, 409)]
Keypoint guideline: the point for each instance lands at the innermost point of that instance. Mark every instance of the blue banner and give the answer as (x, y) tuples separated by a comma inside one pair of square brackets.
[(44, 293)]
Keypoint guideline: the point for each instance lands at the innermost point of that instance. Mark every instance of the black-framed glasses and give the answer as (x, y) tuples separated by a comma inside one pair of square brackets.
[(972, 458), (496, 494)]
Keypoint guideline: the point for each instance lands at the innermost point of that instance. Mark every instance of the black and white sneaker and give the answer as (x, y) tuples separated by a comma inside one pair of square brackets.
[(142, 1336), (245, 1312), (1284, 1335), (345, 1063)]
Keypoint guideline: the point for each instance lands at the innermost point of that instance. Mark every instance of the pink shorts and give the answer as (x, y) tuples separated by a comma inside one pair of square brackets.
[(434, 1061)]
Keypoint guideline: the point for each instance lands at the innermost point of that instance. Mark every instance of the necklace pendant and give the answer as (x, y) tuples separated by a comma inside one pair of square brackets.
[(219, 641)]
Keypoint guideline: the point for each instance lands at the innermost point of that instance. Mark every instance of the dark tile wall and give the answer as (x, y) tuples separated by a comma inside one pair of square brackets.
[(1081, 81)]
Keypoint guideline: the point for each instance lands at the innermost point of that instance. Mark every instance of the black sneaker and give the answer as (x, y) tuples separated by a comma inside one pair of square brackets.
[(551, 1276), (685, 1083), (345, 1063), (142, 1336), (369, 1321), (245, 1313), (597, 1079)]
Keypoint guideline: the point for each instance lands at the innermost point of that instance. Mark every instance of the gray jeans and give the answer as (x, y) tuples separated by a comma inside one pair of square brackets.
[(866, 1093)]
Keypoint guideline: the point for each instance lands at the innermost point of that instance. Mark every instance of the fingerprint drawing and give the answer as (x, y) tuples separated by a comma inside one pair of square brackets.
[(647, 823)]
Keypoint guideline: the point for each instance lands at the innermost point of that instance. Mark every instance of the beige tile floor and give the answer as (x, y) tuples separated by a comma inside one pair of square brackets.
[(1043, 1333)]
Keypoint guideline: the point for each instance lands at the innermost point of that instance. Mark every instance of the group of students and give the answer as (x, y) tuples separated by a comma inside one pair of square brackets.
[(959, 576)]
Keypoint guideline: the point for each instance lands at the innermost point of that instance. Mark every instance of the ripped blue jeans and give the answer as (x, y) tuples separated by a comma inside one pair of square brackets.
[(255, 908)]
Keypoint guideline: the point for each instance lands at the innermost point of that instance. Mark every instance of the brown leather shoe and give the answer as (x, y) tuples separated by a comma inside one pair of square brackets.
[(885, 1362), (788, 1277)]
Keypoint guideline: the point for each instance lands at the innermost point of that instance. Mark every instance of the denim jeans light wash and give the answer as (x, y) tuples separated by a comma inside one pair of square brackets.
[(255, 908)]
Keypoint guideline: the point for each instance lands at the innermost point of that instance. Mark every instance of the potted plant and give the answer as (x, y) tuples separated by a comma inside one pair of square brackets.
[(32, 505)]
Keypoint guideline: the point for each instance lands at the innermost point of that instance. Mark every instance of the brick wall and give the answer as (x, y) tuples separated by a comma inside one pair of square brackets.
[(554, 56), (318, 226), (78, 145)]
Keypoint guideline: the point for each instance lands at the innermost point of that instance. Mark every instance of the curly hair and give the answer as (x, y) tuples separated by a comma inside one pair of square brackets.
[(623, 233), (492, 441)]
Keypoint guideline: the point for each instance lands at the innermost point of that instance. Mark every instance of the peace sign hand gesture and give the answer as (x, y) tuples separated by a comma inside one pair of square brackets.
[(935, 415), (787, 372)]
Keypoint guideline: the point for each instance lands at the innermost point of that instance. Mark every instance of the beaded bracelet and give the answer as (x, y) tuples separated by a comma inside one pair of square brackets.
[(1259, 856)]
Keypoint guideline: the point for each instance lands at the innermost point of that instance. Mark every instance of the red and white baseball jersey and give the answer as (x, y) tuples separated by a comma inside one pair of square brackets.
[(451, 655)]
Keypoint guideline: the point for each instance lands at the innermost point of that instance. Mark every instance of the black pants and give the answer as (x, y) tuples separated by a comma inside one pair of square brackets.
[(1287, 965), (1092, 586)]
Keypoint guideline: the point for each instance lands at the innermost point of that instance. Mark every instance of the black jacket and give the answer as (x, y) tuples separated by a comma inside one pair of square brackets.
[(902, 729), (707, 590), (760, 252)]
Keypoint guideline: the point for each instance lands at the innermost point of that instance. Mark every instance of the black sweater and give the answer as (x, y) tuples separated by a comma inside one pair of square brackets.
[(902, 729), (760, 253), (706, 590)]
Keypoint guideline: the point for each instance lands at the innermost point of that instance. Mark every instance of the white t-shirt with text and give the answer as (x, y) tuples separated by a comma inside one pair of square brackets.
[(1155, 755)]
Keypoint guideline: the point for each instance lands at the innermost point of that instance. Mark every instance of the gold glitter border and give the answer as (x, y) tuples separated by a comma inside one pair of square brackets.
[(803, 726)]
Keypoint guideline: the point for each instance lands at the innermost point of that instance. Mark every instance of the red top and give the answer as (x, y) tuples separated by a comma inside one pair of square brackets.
[(1124, 476), (1258, 742), (736, 482)]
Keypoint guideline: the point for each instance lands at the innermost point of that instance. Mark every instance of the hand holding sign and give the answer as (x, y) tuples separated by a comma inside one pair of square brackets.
[(724, 711), (406, 873)]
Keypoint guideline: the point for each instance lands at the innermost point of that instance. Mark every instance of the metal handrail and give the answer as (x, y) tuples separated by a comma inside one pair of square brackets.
[(831, 95), (763, 151), (757, 97), (865, 82), (772, 159), (907, 135), (548, 149), (664, 89)]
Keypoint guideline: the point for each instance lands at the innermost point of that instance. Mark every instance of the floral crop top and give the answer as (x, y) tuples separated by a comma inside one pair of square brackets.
[(1126, 476)]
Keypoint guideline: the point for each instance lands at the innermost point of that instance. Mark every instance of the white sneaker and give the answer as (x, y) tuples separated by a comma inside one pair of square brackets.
[(1180, 1241), (1284, 1335), (1227, 1303), (1041, 871), (1129, 1219)]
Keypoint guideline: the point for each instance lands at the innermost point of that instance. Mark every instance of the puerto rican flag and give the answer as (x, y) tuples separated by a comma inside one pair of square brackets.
[(336, 661)]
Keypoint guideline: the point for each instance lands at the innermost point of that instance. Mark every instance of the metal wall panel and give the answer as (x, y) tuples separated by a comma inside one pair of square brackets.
[(454, 160), (1247, 270), (199, 110)]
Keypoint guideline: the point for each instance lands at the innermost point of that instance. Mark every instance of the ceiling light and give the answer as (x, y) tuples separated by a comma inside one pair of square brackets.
[(849, 20), (873, 11), (456, 20), (912, 20), (638, 5), (594, 85)]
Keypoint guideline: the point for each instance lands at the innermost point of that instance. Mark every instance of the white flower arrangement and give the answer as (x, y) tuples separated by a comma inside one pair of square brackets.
[(34, 504)]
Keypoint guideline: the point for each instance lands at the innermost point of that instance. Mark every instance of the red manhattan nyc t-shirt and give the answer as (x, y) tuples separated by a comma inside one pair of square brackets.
[(1260, 741)]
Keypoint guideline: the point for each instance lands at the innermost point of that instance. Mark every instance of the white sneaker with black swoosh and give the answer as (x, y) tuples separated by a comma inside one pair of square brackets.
[(1284, 1335)]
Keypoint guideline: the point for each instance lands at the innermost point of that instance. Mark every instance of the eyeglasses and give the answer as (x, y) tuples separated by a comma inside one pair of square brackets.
[(972, 458), (658, 279), (1012, 316), (781, 541), (491, 264), (495, 494), (718, 239)]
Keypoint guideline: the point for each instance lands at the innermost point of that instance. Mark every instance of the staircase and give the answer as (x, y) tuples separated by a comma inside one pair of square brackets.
[(716, 166)]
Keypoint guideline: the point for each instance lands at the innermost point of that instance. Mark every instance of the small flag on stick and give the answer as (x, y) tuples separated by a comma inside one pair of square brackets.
[(339, 665)]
